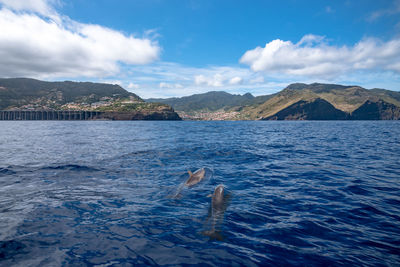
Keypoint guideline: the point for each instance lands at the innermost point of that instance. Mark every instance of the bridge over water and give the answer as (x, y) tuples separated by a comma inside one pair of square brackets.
[(49, 115)]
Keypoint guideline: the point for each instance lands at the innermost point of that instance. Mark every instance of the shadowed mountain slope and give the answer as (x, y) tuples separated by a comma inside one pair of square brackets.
[(316, 109), (343, 98), (376, 110), (296, 101)]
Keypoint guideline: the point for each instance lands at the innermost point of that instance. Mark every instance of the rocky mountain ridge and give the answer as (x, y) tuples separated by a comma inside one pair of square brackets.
[(297, 101)]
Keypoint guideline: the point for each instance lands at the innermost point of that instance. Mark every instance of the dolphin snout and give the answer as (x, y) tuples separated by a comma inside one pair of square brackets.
[(218, 195)]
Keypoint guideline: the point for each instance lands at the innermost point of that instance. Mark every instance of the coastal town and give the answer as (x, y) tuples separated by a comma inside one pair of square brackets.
[(219, 115), (88, 104)]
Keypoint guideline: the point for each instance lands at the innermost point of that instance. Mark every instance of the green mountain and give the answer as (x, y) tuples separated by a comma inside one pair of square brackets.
[(210, 101), (320, 109), (112, 101), (16, 92), (343, 98), (297, 101)]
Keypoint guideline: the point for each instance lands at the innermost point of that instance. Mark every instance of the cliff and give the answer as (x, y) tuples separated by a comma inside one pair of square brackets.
[(317, 109), (297, 101), (376, 110)]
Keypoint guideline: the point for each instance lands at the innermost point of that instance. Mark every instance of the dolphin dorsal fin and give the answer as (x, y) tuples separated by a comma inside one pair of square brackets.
[(190, 173)]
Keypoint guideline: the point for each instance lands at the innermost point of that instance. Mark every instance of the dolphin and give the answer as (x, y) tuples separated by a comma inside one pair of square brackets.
[(196, 177), (219, 204)]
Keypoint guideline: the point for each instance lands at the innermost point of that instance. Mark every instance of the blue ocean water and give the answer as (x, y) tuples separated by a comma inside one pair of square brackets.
[(100, 193)]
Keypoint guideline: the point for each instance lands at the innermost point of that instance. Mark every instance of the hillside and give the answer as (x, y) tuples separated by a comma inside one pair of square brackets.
[(343, 98), (376, 110), (316, 109), (210, 101), (296, 101), (18, 94)]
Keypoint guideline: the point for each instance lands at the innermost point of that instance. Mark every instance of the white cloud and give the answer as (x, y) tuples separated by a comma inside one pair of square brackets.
[(257, 80), (390, 11), (167, 79), (113, 82), (42, 7), (310, 39), (215, 81), (133, 86), (178, 85), (170, 85), (35, 46), (219, 78), (235, 80), (179, 80), (169, 72), (200, 79), (312, 57)]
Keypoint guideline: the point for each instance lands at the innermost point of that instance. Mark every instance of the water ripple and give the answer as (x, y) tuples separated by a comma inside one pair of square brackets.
[(99, 193)]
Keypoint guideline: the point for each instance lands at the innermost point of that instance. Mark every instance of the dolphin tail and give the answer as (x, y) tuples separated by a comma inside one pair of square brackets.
[(178, 191), (215, 235)]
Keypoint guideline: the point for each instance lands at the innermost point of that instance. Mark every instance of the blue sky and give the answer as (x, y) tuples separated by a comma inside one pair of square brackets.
[(160, 48), (201, 32)]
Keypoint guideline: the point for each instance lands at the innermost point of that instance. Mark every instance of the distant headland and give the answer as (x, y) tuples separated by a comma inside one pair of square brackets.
[(297, 101), (30, 99)]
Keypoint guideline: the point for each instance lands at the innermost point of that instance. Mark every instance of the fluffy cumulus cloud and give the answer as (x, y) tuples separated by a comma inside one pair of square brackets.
[(220, 77), (168, 79), (235, 80), (216, 80), (132, 85), (312, 56), (36, 41)]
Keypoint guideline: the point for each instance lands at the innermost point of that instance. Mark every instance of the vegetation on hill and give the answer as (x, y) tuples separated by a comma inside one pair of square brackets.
[(319, 109), (17, 92), (30, 94), (343, 98), (296, 101), (323, 97), (210, 101), (138, 106)]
